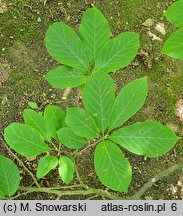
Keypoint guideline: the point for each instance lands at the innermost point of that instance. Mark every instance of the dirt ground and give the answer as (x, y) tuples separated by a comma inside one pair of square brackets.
[(24, 62)]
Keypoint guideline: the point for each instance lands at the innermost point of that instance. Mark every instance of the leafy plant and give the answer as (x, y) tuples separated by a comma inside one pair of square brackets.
[(92, 50), (34, 138), (87, 59), (100, 120), (173, 47)]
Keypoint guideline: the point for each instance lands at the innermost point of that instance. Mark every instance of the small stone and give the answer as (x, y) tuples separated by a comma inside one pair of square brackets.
[(148, 23)]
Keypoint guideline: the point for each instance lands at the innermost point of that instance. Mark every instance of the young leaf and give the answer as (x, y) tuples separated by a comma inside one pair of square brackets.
[(64, 77), (36, 121), (130, 99), (25, 140), (33, 105), (174, 14), (70, 139), (94, 32), (112, 168), (65, 46), (66, 169), (145, 138), (81, 123), (173, 46), (9, 177), (118, 53), (45, 165), (98, 98), (54, 118), (2, 196)]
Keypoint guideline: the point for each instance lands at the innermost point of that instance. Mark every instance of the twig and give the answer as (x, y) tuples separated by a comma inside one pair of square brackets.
[(67, 187), (93, 197), (19, 195), (55, 147), (22, 164), (156, 178), (76, 153), (71, 193)]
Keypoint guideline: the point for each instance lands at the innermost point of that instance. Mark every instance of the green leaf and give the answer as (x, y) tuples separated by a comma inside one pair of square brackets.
[(130, 99), (173, 46), (118, 53), (98, 98), (81, 123), (54, 118), (147, 138), (25, 140), (64, 77), (65, 46), (94, 32), (33, 105), (2, 196), (70, 139), (112, 168), (45, 165), (36, 121), (9, 177), (66, 169), (174, 14)]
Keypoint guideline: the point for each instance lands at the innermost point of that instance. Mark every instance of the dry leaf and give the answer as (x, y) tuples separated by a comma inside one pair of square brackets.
[(1, 11), (154, 37), (160, 28), (148, 23), (179, 109)]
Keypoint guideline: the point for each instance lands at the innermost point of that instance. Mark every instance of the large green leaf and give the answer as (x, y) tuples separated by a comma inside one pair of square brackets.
[(64, 77), (81, 123), (173, 46), (65, 46), (98, 98), (45, 165), (54, 118), (94, 32), (174, 14), (36, 121), (66, 169), (130, 99), (147, 138), (70, 139), (112, 168), (9, 177), (25, 140), (118, 53)]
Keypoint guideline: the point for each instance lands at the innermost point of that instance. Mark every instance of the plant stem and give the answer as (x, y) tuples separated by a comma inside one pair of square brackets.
[(156, 178), (71, 193), (67, 187), (76, 153), (55, 147), (22, 164)]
